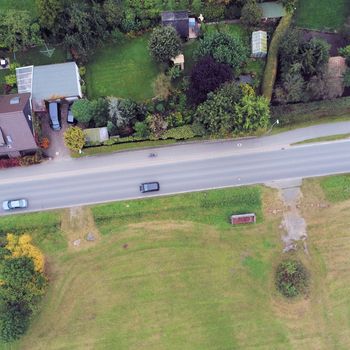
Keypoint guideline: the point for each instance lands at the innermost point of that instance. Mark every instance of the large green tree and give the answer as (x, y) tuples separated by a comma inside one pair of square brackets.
[(216, 114), (164, 43), (251, 14), (49, 12), (251, 112), (83, 111), (223, 48), (18, 31)]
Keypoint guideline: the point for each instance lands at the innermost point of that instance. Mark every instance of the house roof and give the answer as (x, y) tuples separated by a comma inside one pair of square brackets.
[(272, 9), (16, 132), (177, 19), (50, 82)]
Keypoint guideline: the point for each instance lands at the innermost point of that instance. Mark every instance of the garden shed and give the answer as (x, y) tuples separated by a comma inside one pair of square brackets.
[(96, 135), (259, 44)]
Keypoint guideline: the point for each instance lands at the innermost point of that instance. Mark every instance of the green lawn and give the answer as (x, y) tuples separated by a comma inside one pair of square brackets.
[(126, 70), (172, 273), (322, 14), (28, 5), (336, 188)]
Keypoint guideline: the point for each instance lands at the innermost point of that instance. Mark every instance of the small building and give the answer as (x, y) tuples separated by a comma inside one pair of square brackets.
[(243, 219), (272, 10), (179, 60), (96, 135), (259, 44), (187, 27), (53, 82), (16, 128)]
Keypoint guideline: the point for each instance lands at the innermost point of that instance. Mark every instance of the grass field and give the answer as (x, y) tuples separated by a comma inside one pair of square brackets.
[(321, 14), (126, 70), (28, 5), (172, 273)]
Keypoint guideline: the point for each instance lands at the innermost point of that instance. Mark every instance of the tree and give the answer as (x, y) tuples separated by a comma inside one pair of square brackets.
[(216, 114), (314, 56), (162, 86), (99, 111), (82, 111), (49, 11), (289, 5), (292, 85), (251, 112), (251, 14), (223, 48), (74, 138), (21, 245), (122, 114), (113, 12), (345, 52), (14, 320), (206, 76), (164, 43), (289, 49), (17, 31), (81, 26)]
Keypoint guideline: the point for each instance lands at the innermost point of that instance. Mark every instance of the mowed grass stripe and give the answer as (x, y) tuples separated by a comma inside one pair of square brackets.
[(124, 70)]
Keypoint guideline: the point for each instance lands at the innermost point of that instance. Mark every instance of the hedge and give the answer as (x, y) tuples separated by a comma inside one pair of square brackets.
[(184, 132), (303, 112), (272, 57)]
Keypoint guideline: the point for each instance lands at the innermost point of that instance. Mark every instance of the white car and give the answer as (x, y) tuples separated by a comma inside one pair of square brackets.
[(15, 204)]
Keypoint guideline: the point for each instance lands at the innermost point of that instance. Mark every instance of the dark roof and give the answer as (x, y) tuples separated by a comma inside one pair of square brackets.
[(6, 106), (178, 20), (15, 129)]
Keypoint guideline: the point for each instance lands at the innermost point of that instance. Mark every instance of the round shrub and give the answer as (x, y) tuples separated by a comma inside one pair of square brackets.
[(291, 278)]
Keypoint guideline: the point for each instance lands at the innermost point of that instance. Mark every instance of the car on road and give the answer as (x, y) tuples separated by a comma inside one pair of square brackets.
[(54, 116), (149, 187), (15, 204)]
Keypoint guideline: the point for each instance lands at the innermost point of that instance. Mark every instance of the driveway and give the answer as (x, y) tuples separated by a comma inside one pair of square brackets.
[(57, 149)]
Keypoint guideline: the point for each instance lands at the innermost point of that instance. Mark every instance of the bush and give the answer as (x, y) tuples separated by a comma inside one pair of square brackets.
[(30, 160), (9, 163), (180, 133), (291, 278), (272, 58), (141, 130), (74, 138), (302, 112)]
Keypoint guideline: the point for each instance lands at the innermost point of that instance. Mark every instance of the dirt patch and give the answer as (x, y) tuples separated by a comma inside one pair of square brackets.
[(293, 223), (335, 40), (79, 227)]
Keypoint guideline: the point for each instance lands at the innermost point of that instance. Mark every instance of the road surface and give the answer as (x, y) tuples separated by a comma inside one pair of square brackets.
[(182, 168)]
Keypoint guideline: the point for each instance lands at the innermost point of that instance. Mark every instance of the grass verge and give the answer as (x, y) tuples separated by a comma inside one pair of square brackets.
[(336, 188), (323, 139)]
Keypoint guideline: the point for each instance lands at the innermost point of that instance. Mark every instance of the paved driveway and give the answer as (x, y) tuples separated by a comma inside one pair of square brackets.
[(57, 149)]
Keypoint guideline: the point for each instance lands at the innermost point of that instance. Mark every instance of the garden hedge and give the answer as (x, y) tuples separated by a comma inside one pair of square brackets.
[(302, 112), (272, 57)]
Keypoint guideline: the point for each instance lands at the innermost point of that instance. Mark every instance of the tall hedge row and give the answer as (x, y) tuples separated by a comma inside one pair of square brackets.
[(272, 57)]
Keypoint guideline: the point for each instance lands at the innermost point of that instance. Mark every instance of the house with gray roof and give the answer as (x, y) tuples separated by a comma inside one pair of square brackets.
[(16, 128), (53, 82)]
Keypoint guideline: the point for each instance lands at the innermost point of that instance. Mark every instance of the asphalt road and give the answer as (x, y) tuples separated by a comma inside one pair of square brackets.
[(178, 169)]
